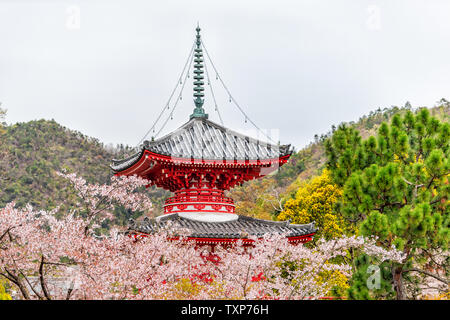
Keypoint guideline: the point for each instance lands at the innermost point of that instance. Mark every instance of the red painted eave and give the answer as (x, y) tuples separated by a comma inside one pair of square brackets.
[(142, 166), (199, 240)]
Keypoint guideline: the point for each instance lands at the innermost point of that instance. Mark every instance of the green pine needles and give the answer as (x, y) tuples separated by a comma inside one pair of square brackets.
[(396, 187)]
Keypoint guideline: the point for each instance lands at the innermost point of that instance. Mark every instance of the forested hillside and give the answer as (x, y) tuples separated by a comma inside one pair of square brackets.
[(31, 153)]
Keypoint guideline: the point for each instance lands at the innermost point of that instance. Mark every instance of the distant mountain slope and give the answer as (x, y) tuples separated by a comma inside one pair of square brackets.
[(31, 152)]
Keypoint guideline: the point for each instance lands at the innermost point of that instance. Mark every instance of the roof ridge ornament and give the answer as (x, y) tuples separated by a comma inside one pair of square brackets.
[(199, 112)]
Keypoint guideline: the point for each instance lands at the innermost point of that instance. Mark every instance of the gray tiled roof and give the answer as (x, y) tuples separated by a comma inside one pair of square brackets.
[(240, 228), (203, 139), (119, 165)]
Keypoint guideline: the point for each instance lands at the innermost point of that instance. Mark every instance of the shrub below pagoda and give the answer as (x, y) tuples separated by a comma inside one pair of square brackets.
[(314, 201)]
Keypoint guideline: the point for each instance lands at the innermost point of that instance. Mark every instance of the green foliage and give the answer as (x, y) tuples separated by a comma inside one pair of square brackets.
[(364, 278), (33, 151), (396, 183), (293, 168)]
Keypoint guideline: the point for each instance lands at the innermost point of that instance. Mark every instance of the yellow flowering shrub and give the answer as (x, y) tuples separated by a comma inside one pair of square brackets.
[(441, 296), (314, 201), (3, 294), (336, 282), (186, 288)]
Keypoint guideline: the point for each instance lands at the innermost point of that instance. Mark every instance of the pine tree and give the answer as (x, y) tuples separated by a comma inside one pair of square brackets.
[(395, 186)]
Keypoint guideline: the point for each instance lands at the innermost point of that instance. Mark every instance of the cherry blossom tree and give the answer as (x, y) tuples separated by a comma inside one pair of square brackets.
[(98, 201), (49, 258)]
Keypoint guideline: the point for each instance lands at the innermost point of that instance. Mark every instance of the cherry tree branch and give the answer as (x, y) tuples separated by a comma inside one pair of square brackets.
[(42, 279), (428, 274)]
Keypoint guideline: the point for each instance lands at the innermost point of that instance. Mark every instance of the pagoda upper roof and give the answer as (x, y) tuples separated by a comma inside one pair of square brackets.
[(239, 228), (203, 139)]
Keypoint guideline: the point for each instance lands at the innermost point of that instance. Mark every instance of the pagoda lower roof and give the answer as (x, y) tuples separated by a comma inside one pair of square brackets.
[(240, 227), (201, 139)]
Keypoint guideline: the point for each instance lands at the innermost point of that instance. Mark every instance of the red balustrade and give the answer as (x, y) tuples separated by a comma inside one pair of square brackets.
[(199, 195)]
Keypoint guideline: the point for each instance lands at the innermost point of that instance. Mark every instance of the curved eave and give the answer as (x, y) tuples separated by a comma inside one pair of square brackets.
[(120, 165), (137, 162), (242, 228)]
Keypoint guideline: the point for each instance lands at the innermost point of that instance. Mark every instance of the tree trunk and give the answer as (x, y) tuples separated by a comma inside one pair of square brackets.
[(23, 289), (398, 283)]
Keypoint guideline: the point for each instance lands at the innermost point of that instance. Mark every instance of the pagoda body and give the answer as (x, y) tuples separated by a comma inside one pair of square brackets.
[(200, 161)]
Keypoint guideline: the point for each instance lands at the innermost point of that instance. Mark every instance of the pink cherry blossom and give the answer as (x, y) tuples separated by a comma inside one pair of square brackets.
[(49, 258)]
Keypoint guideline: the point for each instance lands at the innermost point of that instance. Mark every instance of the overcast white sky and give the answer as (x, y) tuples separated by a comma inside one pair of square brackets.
[(294, 66)]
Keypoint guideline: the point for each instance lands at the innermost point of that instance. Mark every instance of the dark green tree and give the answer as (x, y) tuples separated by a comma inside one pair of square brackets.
[(396, 188)]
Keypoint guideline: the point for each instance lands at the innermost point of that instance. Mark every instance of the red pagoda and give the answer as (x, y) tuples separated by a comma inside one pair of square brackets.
[(200, 161)]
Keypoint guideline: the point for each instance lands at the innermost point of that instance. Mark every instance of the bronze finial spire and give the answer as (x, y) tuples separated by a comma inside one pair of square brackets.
[(199, 112)]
